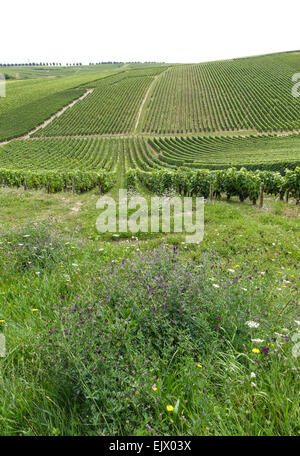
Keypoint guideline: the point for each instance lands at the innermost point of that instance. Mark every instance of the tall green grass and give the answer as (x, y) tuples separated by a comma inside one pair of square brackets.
[(104, 341)]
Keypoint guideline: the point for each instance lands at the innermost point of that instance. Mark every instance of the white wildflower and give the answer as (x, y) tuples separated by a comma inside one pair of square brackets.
[(216, 285), (252, 375), (257, 340), (252, 324), (253, 384)]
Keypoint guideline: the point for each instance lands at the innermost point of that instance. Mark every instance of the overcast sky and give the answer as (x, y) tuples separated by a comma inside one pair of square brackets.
[(145, 30)]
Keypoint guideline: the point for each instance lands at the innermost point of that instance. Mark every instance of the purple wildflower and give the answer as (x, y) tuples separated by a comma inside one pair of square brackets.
[(265, 350)]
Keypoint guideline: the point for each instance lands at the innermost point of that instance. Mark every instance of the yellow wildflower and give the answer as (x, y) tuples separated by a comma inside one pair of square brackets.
[(154, 388), (170, 408), (255, 350), (34, 310), (199, 365)]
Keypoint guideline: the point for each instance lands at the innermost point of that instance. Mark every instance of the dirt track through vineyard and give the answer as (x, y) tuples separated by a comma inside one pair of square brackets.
[(143, 102), (48, 121), (242, 133)]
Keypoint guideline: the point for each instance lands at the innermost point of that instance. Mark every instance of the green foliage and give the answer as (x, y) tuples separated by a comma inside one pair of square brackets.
[(131, 179), (55, 181), (241, 183), (291, 183), (273, 182), (232, 182)]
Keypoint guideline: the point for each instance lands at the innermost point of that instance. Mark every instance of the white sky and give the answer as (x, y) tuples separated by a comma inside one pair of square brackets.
[(145, 30)]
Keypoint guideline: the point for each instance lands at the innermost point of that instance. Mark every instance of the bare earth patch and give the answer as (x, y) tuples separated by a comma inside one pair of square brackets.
[(77, 207)]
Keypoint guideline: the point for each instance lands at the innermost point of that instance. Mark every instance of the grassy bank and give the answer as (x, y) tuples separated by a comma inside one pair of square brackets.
[(147, 336)]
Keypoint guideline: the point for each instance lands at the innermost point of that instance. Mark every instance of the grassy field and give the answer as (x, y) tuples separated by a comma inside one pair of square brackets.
[(103, 336), (125, 333)]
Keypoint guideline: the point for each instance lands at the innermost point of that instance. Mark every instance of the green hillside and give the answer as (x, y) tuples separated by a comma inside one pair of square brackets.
[(240, 94), (215, 115), (136, 331)]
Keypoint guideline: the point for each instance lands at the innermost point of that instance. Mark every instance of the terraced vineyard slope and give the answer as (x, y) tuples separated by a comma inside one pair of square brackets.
[(29, 103), (241, 94), (56, 154), (146, 154), (60, 164), (253, 152), (135, 120), (111, 108)]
